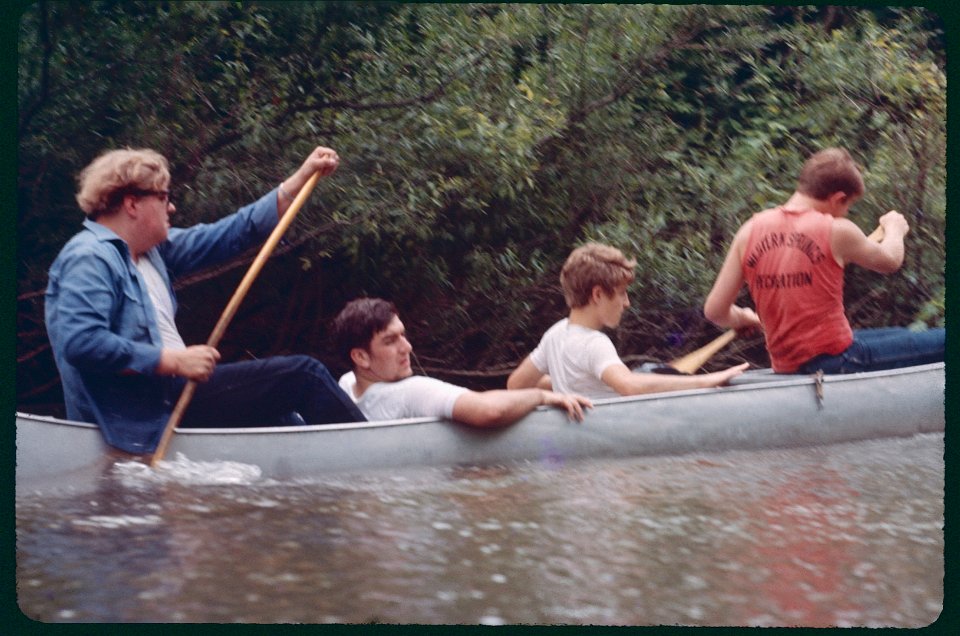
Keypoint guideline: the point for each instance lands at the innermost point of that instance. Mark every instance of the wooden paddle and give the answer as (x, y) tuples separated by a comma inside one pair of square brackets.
[(696, 359), (877, 234), (691, 362), (231, 310)]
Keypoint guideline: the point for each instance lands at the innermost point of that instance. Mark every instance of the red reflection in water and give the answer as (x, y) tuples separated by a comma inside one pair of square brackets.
[(805, 554)]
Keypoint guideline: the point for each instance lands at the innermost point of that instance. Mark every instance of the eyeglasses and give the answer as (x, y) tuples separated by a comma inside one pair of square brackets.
[(163, 195)]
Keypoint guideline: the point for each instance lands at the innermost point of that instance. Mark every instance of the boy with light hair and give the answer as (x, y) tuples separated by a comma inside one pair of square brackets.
[(575, 356)]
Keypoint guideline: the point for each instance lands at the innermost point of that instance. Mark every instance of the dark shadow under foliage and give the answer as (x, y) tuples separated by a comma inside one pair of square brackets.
[(479, 145)]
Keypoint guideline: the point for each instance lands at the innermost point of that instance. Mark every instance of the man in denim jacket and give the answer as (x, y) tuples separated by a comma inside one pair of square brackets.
[(110, 311)]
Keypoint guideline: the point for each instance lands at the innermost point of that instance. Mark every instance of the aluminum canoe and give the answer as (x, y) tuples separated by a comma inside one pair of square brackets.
[(760, 410)]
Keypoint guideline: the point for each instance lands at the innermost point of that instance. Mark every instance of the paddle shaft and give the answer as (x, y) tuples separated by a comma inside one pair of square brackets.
[(696, 359), (877, 234), (271, 243)]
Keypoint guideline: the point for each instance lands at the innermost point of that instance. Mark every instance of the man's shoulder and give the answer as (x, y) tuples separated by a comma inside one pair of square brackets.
[(88, 244), (844, 224), (587, 334), (347, 382), (557, 329), (415, 396), (566, 332), (413, 384), (599, 343)]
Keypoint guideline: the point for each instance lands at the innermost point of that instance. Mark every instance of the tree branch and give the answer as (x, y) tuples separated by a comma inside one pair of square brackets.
[(639, 68)]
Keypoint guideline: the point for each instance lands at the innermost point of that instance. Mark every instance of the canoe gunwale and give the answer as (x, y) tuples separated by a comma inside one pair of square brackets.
[(763, 380), (52, 452)]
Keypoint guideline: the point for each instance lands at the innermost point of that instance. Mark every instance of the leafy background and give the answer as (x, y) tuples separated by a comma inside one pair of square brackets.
[(479, 145)]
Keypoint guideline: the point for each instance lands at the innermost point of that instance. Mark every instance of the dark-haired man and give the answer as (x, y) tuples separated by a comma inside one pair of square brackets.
[(371, 337)]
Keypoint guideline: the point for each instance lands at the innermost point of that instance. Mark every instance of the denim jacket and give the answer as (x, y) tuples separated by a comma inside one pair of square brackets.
[(102, 326)]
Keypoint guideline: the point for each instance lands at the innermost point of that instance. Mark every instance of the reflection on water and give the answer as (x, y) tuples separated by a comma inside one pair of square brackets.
[(842, 535)]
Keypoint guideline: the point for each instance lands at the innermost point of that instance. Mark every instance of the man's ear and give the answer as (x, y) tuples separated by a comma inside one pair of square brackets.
[(597, 294), (360, 358), (839, 198), (129, 205)]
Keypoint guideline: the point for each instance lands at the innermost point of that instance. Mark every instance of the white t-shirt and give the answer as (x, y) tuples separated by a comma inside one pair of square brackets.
[(575, 357), (416, 396), (162, 303)]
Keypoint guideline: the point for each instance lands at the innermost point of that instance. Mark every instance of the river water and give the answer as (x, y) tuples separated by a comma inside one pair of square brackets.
[(846, 535)]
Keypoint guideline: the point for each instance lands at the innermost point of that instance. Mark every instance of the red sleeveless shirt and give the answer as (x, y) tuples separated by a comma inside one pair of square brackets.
[(796, 285)]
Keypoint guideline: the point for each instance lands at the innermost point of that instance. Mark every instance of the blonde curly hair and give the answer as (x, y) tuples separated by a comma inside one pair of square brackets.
[(116, 173), (591, 265)]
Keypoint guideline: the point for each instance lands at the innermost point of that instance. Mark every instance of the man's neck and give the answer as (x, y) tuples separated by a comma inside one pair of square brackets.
[(585, 317), (800, 202), (116, 225), (362, 382)]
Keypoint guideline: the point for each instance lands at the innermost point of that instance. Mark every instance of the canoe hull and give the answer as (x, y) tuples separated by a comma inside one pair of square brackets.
[(761, 411)]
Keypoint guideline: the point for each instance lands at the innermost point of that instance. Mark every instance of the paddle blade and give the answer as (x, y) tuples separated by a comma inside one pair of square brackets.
[(696, 359)]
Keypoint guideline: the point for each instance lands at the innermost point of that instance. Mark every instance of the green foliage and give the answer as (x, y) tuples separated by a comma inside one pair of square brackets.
[(481, 143)]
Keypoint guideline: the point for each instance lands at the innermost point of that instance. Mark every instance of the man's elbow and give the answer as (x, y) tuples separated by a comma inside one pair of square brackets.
[(486, 422), (639, 386), (483, 415), (714, 313), (493, 416), (525, 376), (627, 384), (84, 354), (891, 265)]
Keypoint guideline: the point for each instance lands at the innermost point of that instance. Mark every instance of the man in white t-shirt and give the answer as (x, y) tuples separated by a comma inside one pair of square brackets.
[(574, 356), (369, 334)]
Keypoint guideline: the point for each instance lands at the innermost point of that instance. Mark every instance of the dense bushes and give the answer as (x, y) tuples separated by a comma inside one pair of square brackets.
[(480, 143)]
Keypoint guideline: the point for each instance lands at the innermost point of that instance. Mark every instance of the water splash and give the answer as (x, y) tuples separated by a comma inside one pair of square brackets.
[(122, 521), (182, 470)]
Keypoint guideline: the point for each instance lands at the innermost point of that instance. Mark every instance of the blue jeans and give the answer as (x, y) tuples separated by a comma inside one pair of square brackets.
[(270, 392), (885, 348)]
